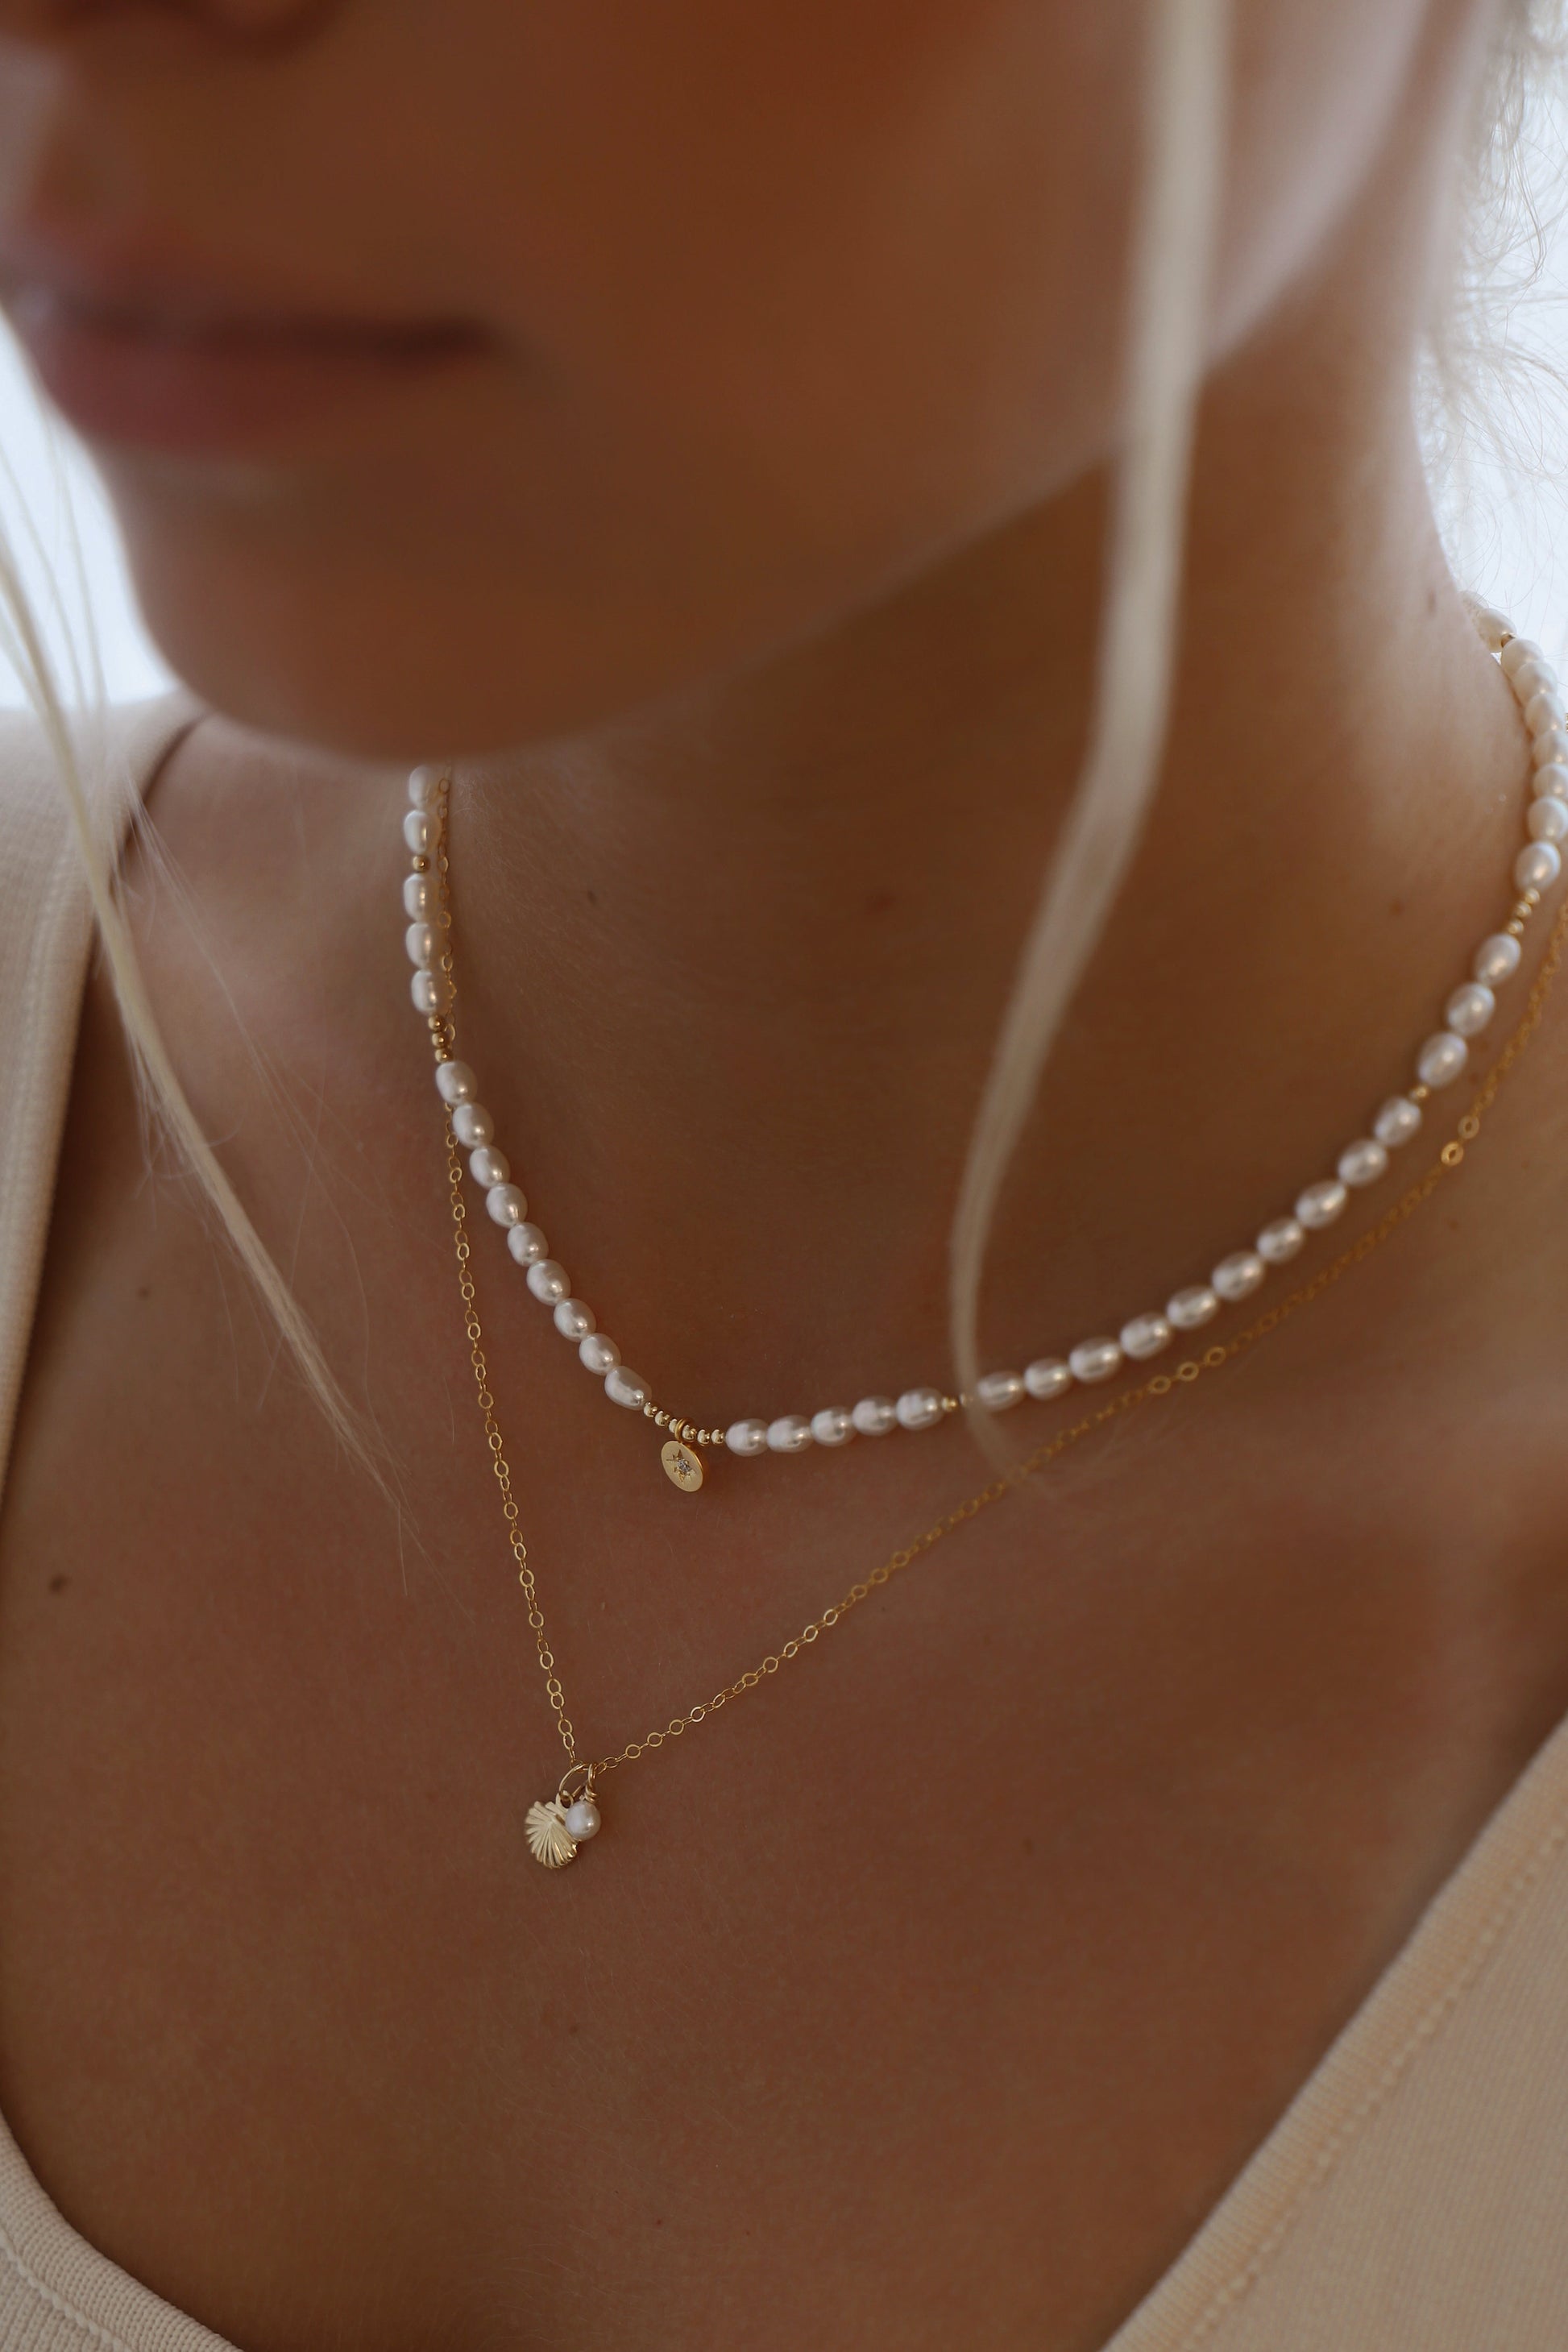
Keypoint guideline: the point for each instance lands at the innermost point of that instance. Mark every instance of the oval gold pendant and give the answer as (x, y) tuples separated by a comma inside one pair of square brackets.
[(681, 1466)]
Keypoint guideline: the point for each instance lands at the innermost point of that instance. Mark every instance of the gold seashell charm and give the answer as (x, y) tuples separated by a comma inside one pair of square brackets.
[(549, 1839)]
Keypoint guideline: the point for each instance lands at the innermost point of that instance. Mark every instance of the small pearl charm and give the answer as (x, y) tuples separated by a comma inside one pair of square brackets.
[(505, 1204), (1399, 1118), (1496, 960), (1239, 1276), (472, 1125), (419, 938), (833, 1425), (583, 1821), (1281, 1240), (1145, 1336), (487, 1166), (419, 831), (1363, 1163), (747, 1437), (1550, 781), (424, 785), (1532, 677), (572, 1319), (1190, 1308), (1047, 1377), (1469, 1008), (1095, 1359), (549, 1282), (1538, 866), (1441, 1060), (874, 1416), (999, 1391), (920, 1408), (1548, 819), (1492, 625), (790, 1434), (418, 898), (1320, 1203), (1544, 712), (598, 1354), (527, 1244), (423, 990), (630, 1389), (1517, 652), (454, 1082)]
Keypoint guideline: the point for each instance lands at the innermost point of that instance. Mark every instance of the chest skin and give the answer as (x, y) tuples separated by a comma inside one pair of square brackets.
[(936, 1990)]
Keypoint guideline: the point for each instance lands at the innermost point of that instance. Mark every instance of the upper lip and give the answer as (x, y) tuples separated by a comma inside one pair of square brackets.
[(150, 286)]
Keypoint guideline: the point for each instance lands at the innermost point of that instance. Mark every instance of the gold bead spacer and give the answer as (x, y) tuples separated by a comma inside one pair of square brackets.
[(1420, 1094)]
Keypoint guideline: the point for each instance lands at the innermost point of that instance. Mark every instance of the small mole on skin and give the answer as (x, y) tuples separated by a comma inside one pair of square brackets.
[(1396, 905), (592, 898), (880, 902), (59, 1584), (144, 1290)]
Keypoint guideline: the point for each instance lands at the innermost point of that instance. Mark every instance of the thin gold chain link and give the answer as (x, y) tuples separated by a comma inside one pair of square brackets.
[(1450, 1158)]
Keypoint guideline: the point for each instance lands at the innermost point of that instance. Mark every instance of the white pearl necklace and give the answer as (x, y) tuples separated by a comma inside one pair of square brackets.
[(1364, 1161)]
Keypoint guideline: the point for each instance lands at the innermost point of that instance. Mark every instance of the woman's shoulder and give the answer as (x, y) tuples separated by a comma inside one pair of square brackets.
[(113, 750)]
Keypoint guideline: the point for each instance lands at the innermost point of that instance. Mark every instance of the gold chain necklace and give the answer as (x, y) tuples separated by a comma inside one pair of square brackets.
[(557, 1827)]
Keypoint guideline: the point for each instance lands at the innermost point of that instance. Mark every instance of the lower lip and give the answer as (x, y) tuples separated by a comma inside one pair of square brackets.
[(235, 391)]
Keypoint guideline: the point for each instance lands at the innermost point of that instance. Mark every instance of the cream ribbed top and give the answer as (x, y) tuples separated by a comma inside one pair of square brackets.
[(1413, 2199)]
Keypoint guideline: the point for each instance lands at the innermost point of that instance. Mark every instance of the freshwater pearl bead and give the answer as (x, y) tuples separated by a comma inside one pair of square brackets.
[(598, 1354), (1095, 1359), (1190, 1308), (423, 786), (527, 1244), (1492, 625), (1145, 1336), (582, 1820), (1441, 1060), (549, 1281), (1496, 960), (487, 1166), (419, 831), (999, 1391), (874, 1416), (627, 1388), (572, 1319), (790, 1434), (1544, 711), (418, 898), (1362, 1163), (1548, 819), (424, 993), (1320, 1203), (419, 938), (454, 1082), (833, 1425), (1536, 866), (472, 1125), (1469, 1008), (1550, 749), (747, 1437), (1047, 1377), (1399, 1118), (505, 1205), (1532, 678), (1239, 1276), (1550, 778), (1281, 1239), (1517, 652), (920, 1408)]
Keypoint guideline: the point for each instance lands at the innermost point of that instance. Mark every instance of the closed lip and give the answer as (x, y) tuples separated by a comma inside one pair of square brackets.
[(142, 352)]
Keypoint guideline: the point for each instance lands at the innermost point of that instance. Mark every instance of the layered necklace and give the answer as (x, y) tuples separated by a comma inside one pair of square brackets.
[(556, 1828)]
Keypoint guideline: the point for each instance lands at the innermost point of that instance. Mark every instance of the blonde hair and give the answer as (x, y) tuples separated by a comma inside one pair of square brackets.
[(1177, 213)]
